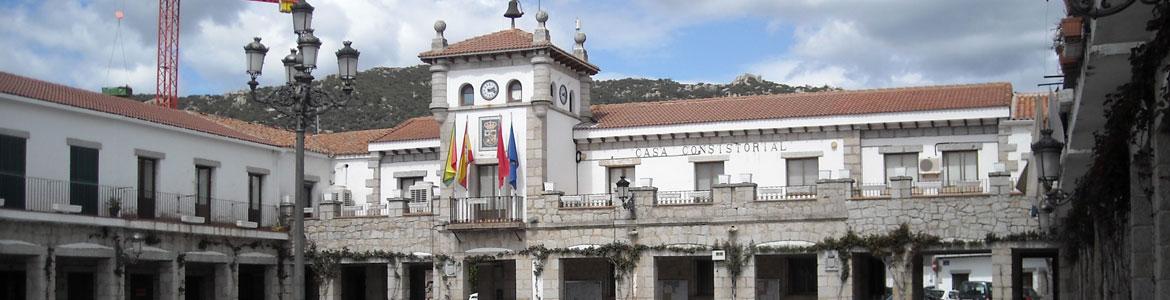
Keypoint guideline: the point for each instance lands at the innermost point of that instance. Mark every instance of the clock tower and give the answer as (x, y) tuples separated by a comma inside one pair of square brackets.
[(510, 84)]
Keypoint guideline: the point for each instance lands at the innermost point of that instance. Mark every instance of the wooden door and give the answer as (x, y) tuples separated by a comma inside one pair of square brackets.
[(83, 179), (12, 168)]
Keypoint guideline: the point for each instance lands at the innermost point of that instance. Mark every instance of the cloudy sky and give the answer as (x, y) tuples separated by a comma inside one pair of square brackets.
[(845, 43)]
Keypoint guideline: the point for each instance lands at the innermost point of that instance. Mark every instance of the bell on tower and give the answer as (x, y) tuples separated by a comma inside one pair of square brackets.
[(514, 11)]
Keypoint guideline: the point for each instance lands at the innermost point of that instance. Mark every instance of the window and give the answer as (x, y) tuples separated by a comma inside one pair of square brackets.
[(466, 95), (707, 174), (802, 171), (485, 181), (255, 195), (147, 183), (905, 161), (404, 184), (960, 166), (12, 168), (83, 179), (203, 191), (615, 173), (308, 193), (515, 91)]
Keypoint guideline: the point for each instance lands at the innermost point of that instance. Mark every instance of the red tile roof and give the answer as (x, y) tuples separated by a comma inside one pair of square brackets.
[(803, 105), (65, 95), (352, 142), (1026, 105), (419, 128), (507, 39)]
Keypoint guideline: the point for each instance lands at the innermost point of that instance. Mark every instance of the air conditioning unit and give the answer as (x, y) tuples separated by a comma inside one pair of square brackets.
[(421, 192), (341, 194), (929, 166)]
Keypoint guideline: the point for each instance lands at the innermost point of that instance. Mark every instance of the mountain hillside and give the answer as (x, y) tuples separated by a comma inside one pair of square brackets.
[(387, 96)]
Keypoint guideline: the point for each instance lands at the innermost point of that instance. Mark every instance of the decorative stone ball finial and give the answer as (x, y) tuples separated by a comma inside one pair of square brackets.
[(440, 26), (580, 38), (542, 17)]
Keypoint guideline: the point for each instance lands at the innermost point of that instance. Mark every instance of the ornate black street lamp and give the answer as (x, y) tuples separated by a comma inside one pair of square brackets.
[(298, 99), (1046, 152), (624, 194)]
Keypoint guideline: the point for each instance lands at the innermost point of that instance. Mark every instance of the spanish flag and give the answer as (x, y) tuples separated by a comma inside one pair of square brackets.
[(466, 158), (451, 166)]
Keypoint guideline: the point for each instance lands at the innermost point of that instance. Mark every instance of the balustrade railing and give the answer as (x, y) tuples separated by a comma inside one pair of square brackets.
[(939, 188), (62, 196), (495, 209), (587, 200), (871, 190), (683, 197), (795, 192)]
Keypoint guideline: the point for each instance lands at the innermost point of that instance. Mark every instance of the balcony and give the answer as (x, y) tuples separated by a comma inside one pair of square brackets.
[(587, 201), (478, 213), (61, 196), (780, 193), (923, 189), (683, 198)]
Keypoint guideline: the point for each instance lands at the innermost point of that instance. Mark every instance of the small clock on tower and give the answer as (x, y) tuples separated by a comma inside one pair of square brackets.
[(489, 89)]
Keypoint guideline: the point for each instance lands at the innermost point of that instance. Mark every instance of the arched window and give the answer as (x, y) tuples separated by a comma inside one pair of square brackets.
[(466, 95), (515, 91), (571, 98)]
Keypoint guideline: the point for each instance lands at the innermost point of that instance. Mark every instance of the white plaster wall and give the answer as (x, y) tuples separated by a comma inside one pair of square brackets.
[(561, 76), (352, 173), (50, 125), (390, 183), (510, 117), (676, 172), (1021, 136), (477, 76), (562, 152), (873, 163)]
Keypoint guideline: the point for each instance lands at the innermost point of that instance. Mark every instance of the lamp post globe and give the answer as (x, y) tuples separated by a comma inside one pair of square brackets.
[(255, 52), (309, 44), (290, 66), (1047, 152), (302, 14)]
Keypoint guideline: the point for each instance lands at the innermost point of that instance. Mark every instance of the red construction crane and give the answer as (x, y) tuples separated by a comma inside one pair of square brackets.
[(167, 80)]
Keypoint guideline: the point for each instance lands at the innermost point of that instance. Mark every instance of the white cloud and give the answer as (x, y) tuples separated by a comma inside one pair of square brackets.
[(848, 43)]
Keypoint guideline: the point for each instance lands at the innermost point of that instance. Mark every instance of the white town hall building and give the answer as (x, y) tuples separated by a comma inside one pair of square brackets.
[(732, 197)]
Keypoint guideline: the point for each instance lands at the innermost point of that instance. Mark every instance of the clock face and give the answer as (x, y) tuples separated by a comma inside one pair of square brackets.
[(564, 95), (489, 90)]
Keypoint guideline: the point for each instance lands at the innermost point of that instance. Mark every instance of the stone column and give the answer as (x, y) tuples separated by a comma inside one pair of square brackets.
[(170, 280), (852, 145), (226, 281), (586, 97), (525, 281), (1001, 272), (901, 187), (330, 289), (551, 279), (272, 284), (644, 199), (438, 87), (397, 277), (1000, 183), (834, 193), (1161, 207), (535, 145), (328, 210), (546, 205), (110, 280), (374, 199), (738, 287), (41, 275), (639, 284), (830, 285)]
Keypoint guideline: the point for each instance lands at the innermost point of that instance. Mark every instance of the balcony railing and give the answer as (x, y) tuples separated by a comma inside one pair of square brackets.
[(51, 195), (417, 208), (587, 200), (871, 190), (939, 188), (683, 197), (796, 192), (495, 209)]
